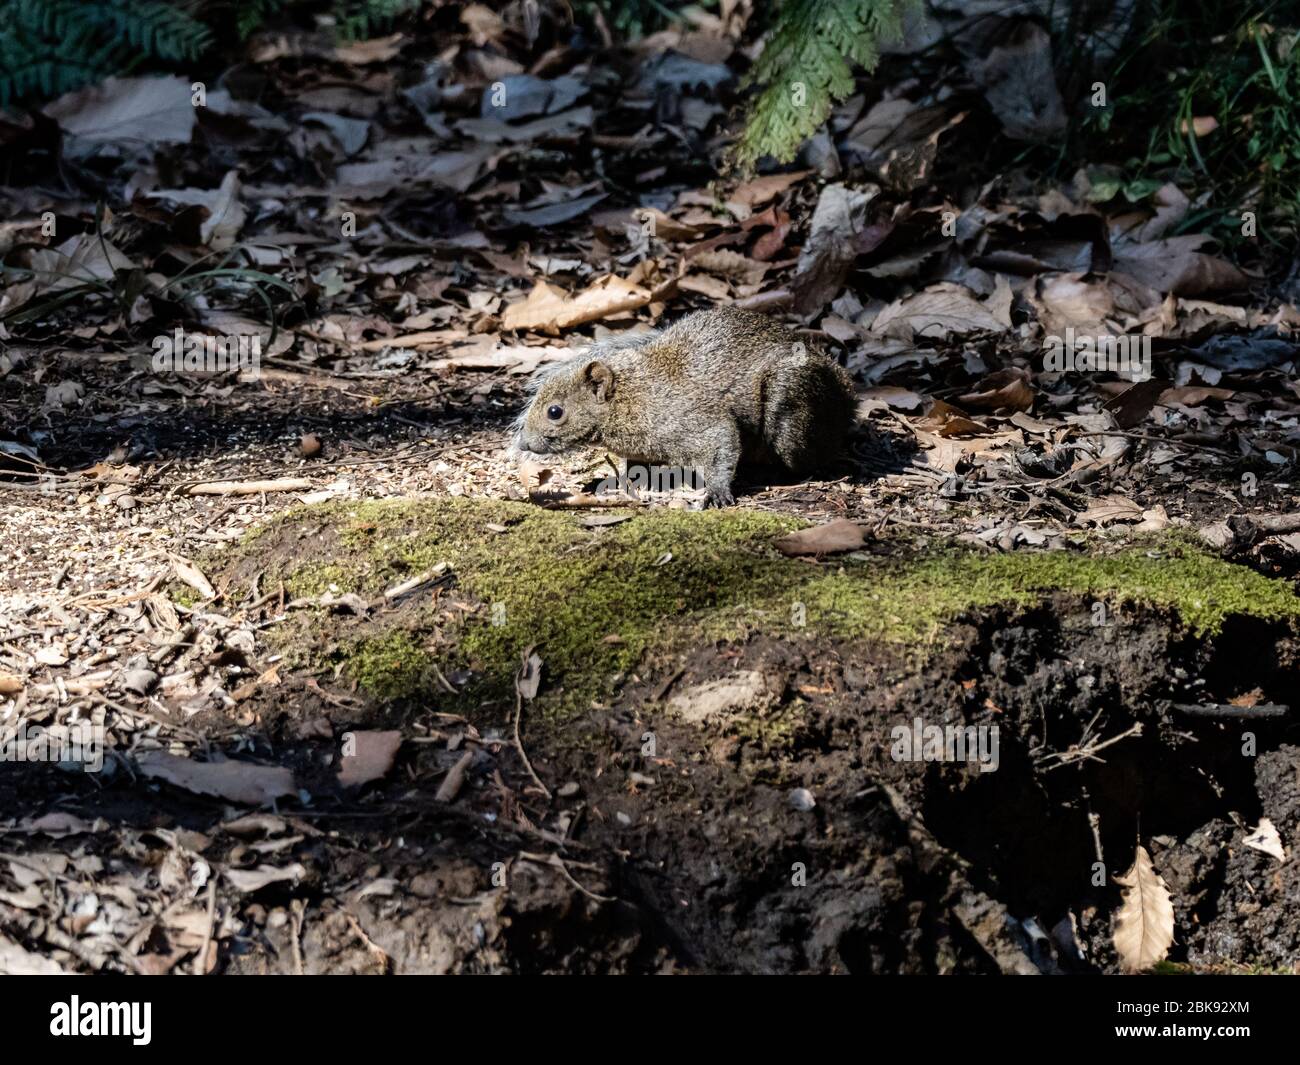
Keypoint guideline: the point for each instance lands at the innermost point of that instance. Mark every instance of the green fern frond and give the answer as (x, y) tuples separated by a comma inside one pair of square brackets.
[(806, 66), (49, 47), (252, 15), (358, 19)]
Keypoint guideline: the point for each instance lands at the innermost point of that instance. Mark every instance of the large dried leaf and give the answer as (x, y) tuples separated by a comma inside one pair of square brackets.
[(235, 781), (1174, 265), (563, 126), (757, 192), (146, 110), (945, 420), (838, 235), (553, 214), (458, 170), (193, 576), (1019, 82), (1069, 301), (731, 264), (79, 260), (1113, 508), (835, 536), (940, 311), (1144, 926), (16, 960), (549, 309), (1006, 390), (519, 96), (368, 756)]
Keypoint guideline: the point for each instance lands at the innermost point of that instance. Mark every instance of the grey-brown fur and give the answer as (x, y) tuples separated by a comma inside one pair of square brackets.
[(716, 387)]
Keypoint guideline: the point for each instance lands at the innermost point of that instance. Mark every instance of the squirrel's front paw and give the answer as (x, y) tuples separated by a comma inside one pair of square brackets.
[(719, 497)]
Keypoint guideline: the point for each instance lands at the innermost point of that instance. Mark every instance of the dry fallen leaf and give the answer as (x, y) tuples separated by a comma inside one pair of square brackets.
[(529, 678), (224, 213), (117, 110), (946, 420), (367, 756), (940, 311), (757, 192), (1016, 75), (1266, 838), (16, 960), (1174, 265), (549, 309), (894, 396), (1112, 508), (250, 880), (189, 573), (83, 258), (838, 535), (1005, 390), (1065, 301), (732, 265), (840, 231), (1144, 926), (236, 781), (1191, 396), (1153, 520), (57, 824)]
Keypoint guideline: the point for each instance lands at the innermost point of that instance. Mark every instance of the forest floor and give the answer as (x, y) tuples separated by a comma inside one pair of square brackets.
[(404, 705)]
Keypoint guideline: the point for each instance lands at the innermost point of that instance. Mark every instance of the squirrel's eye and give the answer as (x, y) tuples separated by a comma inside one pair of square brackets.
[(555, 412)]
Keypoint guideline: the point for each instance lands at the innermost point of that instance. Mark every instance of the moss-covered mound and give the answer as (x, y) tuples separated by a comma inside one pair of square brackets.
[(594, 599)]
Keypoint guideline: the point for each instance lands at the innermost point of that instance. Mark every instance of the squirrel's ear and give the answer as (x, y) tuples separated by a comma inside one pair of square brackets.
[(600, 379)]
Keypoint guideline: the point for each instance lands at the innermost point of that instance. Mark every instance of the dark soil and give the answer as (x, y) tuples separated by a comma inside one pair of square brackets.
[(705, 859)]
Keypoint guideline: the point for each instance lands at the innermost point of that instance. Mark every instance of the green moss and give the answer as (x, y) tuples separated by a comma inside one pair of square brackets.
[(595, 601), (771, 729), (317, 578), (913, 599), (389, 666), (183, 594)]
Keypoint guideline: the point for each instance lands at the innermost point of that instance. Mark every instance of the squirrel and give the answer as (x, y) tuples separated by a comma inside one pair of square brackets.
[(718, 386)]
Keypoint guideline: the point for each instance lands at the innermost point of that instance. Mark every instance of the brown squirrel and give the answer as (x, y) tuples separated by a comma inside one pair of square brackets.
[(716, 387)]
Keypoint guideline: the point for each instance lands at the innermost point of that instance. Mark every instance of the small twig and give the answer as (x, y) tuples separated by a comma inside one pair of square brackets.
[(556, 862), (446, 684), (201, 962), (668, 682), (455, 779), (381, 955), (249, 488), (1094, 823), (579, 501), (519, 745), (296, 911), (1077, 754), (1231, 711)]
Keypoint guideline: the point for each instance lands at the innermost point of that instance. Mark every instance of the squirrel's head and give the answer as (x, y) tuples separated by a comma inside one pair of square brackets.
[(568, 409)]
